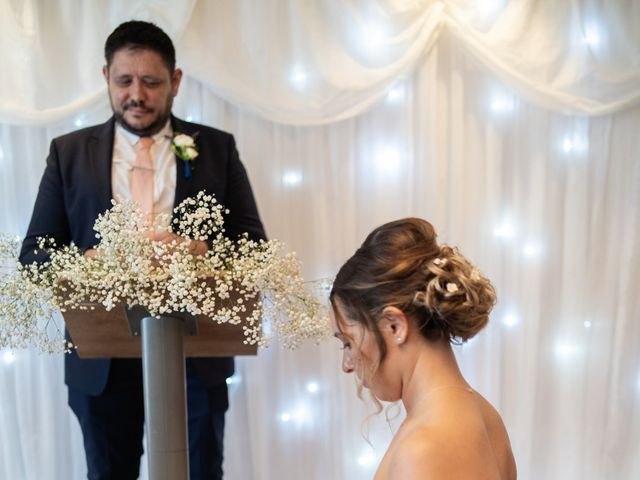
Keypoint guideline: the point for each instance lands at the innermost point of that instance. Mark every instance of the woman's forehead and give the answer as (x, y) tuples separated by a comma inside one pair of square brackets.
[(343, 324), (339, 317)]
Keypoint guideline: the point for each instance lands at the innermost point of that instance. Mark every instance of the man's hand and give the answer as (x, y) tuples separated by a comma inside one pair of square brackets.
[(196, 247)]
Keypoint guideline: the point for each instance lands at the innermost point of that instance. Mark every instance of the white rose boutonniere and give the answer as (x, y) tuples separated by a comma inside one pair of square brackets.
[(185, 148)]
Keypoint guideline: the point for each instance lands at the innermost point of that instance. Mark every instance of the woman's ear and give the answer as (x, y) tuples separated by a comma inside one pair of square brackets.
[(395, 324)]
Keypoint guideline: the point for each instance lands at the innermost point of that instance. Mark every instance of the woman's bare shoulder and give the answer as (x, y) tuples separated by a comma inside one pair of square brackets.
[(423, 453), (448, 450)]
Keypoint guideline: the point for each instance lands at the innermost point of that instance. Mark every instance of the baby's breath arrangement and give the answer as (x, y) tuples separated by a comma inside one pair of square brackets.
[(248, 280), (26, 307)]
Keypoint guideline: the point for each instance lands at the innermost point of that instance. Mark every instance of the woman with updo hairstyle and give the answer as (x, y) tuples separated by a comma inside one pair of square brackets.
[(397, 305)]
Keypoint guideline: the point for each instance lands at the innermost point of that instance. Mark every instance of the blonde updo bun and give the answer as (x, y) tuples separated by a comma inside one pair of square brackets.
[(400, 264), (457, 293)]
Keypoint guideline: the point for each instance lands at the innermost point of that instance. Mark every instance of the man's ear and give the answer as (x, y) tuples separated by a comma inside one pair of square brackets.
[(176, 78), (105, 73), (395, 324)]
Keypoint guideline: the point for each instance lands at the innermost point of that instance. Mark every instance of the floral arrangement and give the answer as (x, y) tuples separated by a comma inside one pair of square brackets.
[(243, 281)]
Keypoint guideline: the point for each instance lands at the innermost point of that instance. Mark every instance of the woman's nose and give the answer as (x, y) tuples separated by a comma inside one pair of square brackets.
[(347, 362)]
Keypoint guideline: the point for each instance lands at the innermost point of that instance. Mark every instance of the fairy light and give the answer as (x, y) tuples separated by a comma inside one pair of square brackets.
[(234, 380), (587, 324), (489, 8), (510, 320), (298, 77), (505, 230), (566, 350), (300, 416), (592, 36), (189, 118), (531, 250), (366, 459), (501, 103), (396, 94), (574, 144), (312, 387), (285, 417), (291, 178), (387, 161), (78, 122), (372, 35), (8, 357)]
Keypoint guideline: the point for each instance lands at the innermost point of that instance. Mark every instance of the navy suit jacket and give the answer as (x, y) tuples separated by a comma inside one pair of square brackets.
[(76, 188)]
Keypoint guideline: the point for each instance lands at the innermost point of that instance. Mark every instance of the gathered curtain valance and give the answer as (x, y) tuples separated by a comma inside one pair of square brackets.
[(316, 62)]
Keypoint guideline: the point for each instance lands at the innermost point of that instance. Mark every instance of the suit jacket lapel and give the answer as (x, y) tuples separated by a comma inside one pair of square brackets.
[(100, 150), (183, 186)]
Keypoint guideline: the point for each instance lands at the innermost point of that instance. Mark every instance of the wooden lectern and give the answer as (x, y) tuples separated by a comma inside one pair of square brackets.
[(163, 343)]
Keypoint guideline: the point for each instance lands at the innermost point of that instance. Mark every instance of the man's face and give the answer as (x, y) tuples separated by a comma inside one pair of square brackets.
[(141, 89)]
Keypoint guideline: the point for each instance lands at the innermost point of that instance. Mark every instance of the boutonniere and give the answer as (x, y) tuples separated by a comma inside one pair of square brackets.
[(185, 148)]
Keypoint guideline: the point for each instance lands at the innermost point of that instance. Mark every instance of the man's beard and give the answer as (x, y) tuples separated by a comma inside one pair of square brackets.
[(152, 128)]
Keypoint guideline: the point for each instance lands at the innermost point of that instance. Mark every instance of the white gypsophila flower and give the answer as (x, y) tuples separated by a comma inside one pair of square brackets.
[(9, 248), (183, 140), (245, 282)]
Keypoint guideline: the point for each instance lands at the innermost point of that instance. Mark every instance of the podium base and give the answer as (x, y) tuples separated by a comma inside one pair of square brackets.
[(163, 366)]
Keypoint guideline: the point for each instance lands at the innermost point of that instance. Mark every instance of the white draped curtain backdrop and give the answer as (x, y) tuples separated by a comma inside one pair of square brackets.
[(511, 125)]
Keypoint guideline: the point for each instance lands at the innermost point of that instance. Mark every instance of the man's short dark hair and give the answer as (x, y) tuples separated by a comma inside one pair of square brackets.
[(138, 34)]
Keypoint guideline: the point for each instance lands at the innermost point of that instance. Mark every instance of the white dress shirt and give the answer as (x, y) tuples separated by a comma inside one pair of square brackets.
[(164, 161)]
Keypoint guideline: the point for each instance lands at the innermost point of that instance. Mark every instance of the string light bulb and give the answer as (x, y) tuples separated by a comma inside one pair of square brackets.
[(298, 77), (8, 357), (387, 161), (531, 250), (504, 230), (366, 459), (489, 8), (510, 320), (285, 417), (502, 103), (566, 350), (291, 178), (395, 94), (591, 35)]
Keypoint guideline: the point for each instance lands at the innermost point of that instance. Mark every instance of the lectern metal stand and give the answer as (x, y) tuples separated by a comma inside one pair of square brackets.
[(166, 341), (165, 406)]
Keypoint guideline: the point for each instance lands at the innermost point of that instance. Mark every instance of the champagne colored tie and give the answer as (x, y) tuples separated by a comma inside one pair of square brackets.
[(141, 180)]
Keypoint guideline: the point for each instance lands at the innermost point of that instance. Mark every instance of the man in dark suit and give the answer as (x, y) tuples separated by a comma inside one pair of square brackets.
[(85, 170)]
